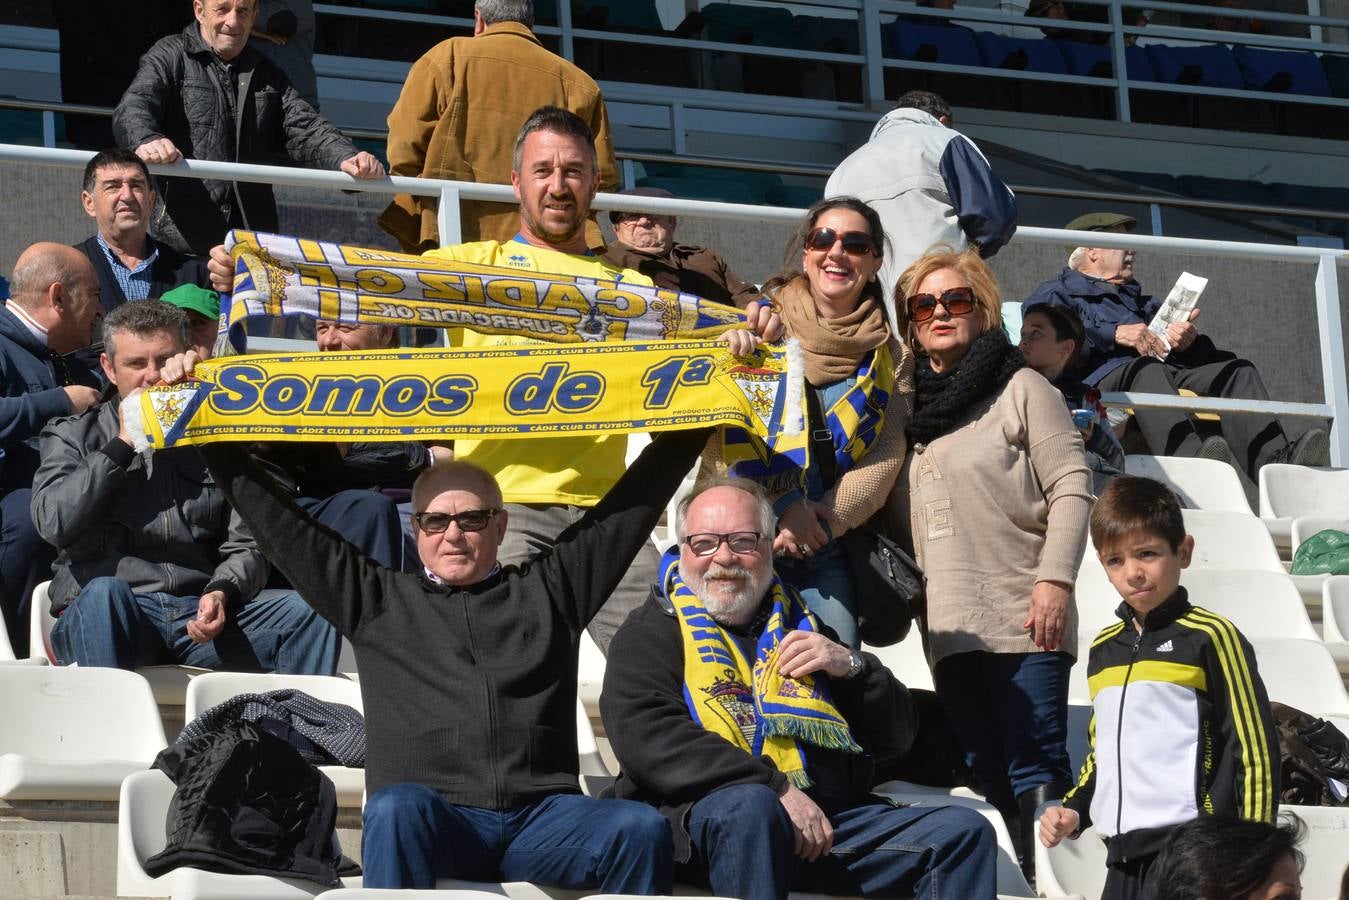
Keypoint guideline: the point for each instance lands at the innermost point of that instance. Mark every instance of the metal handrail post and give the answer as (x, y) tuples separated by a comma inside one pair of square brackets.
[(1121, 66), (567, 42), (1332, 372), (447, 217), (873, 82)]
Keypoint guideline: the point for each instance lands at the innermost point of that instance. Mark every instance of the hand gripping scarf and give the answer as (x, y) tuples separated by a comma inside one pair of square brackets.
[(752, 705)]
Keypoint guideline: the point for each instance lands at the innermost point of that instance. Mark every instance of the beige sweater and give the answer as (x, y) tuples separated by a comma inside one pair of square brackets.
[(993, 507), (862, 490)]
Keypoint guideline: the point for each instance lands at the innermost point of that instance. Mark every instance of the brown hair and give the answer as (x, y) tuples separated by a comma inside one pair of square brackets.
[(965, 263), (1131, 504)]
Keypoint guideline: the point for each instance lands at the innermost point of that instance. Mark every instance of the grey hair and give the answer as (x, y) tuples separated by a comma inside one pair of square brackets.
[(1075, 258), (31, 277), (452, 470), (494, 11), (143, 318), (768, 519)]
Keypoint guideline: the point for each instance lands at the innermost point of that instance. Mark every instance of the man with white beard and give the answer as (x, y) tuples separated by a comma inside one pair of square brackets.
[(757, 735)]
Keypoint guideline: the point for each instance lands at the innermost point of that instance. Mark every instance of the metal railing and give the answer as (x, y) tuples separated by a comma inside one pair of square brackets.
[(1335, 407)]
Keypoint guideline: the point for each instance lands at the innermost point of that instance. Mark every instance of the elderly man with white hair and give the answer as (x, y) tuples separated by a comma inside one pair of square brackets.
[(1123, 355)]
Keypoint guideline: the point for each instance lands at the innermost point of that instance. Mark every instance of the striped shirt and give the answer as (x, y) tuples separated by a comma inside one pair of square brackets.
[(135, 283)]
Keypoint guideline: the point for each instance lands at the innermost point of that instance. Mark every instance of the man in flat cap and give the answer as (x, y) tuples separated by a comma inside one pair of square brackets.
[(645, 241), (1123, 355), (202, 306)]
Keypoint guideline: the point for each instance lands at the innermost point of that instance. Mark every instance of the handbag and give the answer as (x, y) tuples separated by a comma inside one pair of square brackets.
[(889, 587), (887, 584)]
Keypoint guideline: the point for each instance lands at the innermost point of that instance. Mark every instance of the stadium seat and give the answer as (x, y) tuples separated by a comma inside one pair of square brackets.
[(1324, 848), (594, 773), (1095, 596), (951, 45), (906, 661), (736, 23), (827, 34), (73, 733), (1301, 674), (1011, 883), (1335, 609), (213, 688), (1210, 65), (1094, 59), (40, 623), (1296, 72), (1262, 604), (1198, 483), (378, 894), (1078, 690), (1073, 867), (1230, 540), (1034, 55), (589, 673), (1289, 491), (141, 816), (1303, 527), (1011, 320)]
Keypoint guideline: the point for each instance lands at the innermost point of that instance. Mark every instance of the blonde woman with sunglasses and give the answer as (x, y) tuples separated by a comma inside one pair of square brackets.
[(995, 495), (859, 378)]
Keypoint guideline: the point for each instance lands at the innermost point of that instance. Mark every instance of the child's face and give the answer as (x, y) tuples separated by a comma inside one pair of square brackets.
[(1044, 353), (1144, 569)]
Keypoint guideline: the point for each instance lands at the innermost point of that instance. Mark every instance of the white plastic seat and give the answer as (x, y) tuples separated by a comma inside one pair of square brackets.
[(589, 673), (1095, 597), (595, 775), (374, 894), (213, 688), (1261, 604), (141, 821), (1301, 674), (1335, 609), (1078, 691), (1230, 540), (1326, 848), (1073, 867), (40, 624), (73, 733), (1287, 492), (1198, 483), (906, 661)]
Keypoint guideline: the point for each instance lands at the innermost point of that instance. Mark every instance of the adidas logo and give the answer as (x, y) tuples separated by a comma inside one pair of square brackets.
[(1164, 647)]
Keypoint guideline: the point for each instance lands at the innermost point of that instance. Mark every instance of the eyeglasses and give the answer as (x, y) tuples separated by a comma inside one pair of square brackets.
[(705, 543), (959, 301), (855, 243), (468, 520)]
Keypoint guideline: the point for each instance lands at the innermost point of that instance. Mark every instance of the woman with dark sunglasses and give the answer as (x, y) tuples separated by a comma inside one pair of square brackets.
[(837, 473), (995, 494)]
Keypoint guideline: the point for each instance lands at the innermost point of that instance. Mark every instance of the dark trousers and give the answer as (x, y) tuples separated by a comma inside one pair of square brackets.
[(413, 836), (1170, 432), (25, 562), (744, 845), (370, 522), (1130, 880)]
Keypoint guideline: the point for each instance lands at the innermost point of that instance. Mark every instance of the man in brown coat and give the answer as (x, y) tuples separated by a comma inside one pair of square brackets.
[(460, 109)]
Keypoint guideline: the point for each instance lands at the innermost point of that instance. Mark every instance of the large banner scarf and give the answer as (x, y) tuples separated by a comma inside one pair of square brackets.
[(275, 275)]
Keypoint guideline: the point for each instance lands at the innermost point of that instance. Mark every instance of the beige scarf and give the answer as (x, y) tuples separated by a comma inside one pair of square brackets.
[(832, 347)]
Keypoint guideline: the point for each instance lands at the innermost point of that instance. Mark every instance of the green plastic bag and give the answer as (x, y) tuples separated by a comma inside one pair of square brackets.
[(1324, 553)]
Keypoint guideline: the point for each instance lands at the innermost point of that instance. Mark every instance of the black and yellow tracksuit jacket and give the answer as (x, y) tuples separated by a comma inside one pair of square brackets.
[(1180, 728)]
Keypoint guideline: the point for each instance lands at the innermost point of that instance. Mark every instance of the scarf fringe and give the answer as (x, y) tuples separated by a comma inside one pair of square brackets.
[(828, 735), (799, 779)]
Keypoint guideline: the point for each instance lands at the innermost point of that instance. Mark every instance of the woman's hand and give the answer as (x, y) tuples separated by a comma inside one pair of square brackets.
[(741, 342), (800, 531), (762, 323), (1048, 613)]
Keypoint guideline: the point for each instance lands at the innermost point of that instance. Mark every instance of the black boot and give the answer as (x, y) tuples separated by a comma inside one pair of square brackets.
[(1026, 836)]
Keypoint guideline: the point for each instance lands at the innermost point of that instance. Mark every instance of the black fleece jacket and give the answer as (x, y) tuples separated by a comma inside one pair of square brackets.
[(469, 691)]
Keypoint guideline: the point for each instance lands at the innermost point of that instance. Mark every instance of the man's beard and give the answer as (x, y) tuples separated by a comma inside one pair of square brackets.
[(536, 227), (739, 606)]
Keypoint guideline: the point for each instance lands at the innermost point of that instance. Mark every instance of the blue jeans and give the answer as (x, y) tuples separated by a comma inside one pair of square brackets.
[(370, 522), (744, 842), (25, 562), (824, 581), (1010, 712), (412, 836), (109, 624)]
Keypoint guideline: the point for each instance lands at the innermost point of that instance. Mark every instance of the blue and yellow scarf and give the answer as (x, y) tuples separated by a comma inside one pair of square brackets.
[(751, 704)]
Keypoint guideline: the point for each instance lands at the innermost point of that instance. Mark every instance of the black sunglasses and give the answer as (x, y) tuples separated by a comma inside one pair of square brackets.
[(855, 243), (959, 301), (468, 520)]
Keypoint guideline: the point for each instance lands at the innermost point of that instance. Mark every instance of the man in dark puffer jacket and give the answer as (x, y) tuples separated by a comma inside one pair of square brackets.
[(205, 94)]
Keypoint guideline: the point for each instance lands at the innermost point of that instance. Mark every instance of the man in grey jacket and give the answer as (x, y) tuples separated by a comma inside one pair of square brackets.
[(205, 94), (930, 185), (153, 566)]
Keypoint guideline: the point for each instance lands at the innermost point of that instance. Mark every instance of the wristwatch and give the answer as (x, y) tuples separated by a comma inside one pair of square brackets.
[(857, 664)]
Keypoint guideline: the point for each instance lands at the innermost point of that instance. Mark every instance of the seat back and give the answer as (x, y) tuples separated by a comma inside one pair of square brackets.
[(1324, 848), (906, 661), (1287, 490), (1073, 867), (213, 688), (40, 624), (1095, 596), (587, 747), (1231, 540), (1260, 603), (1301, 674), (1198, 483), (1303, 527), (1335, 608), (78, 714), (142, 810)]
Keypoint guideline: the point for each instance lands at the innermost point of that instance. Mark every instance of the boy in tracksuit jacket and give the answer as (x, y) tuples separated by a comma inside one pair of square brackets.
[(1181, 725)]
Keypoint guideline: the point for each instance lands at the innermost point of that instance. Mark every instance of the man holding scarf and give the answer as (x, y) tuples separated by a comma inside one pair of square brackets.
[(757, 734)]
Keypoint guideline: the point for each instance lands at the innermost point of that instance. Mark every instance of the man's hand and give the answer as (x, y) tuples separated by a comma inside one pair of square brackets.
[(1182, 334), (160, 150), (1057, 823), (764, 321), (804, 652), (814, 834), (221, 266), (81, 397), (1048, 613), (1138, 337), (210, 620), (362, 165), (799, 531), (740, 341), (178, 367)]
